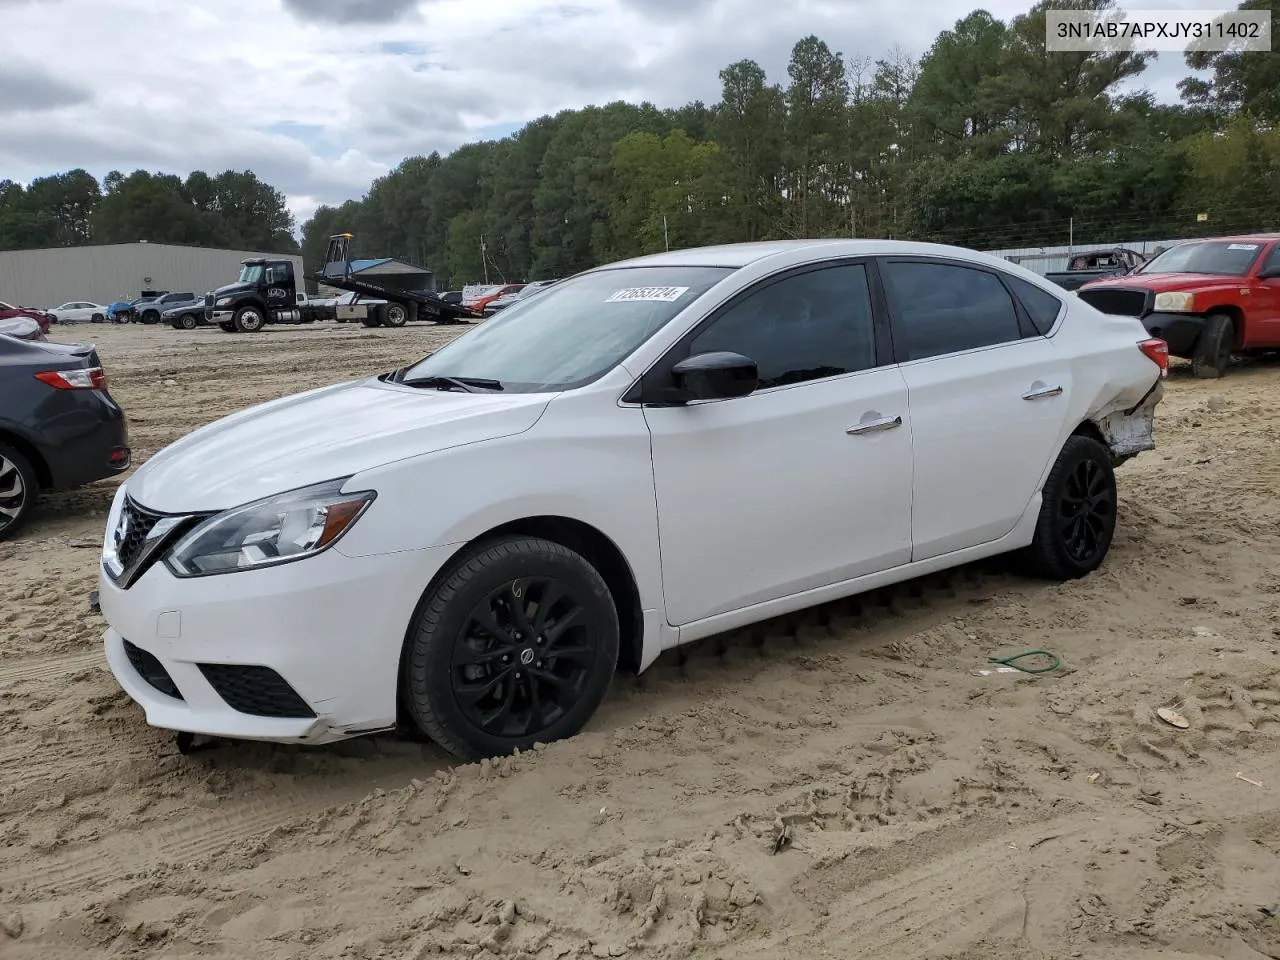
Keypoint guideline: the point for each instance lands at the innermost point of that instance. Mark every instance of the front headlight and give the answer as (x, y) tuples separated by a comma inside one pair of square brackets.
[(224, 302), (280, 529), (1175, 302)]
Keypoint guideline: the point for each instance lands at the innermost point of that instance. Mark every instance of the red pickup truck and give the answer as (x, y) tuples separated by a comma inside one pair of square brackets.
[(1207, 299)]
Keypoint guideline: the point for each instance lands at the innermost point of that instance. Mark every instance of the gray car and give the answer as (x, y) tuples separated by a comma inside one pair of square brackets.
[(59, 427)]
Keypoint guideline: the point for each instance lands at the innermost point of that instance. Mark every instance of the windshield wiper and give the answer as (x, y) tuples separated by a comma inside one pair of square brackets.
[(469, 384)]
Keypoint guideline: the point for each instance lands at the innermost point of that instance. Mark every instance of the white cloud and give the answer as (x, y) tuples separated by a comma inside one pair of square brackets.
[(320, 96)]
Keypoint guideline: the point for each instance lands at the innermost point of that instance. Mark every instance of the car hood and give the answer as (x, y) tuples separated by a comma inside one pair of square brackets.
[(229, 288), (320, 435), (1163, 282)]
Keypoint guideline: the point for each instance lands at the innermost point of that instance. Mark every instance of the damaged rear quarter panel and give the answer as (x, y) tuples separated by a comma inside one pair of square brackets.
[(1129, 430)]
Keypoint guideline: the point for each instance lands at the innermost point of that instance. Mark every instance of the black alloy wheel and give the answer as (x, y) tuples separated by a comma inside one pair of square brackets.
[(1086, 511), (516, 644), (523, 658)]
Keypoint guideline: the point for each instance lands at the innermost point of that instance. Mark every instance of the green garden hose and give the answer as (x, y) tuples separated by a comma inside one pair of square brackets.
[(1009, 661)]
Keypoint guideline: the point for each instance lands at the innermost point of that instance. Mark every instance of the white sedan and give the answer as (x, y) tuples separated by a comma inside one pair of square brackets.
[(642, 455), (78, 311)]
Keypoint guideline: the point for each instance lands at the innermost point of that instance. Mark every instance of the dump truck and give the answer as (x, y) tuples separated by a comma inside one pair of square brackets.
[(389, 292)]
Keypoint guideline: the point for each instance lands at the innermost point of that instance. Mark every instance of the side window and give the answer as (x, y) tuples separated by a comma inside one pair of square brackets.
[(1273, 260), (945, 308), (1041, 306), (803, 327)]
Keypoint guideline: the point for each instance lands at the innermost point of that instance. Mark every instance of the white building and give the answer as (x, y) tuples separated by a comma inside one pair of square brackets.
[(104, 273)]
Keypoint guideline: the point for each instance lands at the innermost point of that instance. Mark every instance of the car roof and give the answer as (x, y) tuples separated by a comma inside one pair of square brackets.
[(737, 255), (1235, 238)]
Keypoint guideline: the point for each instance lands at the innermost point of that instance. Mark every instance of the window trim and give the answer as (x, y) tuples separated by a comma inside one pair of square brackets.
[(1058, 317), (643, 390), (1026, 329)]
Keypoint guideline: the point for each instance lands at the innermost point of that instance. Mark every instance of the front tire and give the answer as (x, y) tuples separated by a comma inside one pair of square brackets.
[(1077, 514), (19, 490), (1213, 349), (96, 318), (150, 317), (248, 320), (187, 321), (517, 644)]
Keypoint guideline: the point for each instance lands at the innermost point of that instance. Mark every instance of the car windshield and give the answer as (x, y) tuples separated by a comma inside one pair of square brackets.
[(573, 333), (1230, 258), (251, 273)]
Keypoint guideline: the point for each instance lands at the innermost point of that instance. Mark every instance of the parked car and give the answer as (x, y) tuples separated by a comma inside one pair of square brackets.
[(120, 311), (23, 328), (1096, 265), (486, 295), (1207, 299), (59, 426), (185, 316), (9, 312), (150, 311), (78, 311), (704, 439), (507, 299)]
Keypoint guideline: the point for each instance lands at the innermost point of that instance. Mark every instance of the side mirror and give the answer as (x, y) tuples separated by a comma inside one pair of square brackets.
[(718, 375)]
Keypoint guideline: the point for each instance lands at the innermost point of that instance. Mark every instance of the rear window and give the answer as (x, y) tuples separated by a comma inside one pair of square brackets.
[(1041, 306)]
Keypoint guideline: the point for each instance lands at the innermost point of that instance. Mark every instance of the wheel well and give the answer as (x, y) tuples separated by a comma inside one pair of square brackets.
[(43, 475), (1237, 322), (1090, 429), (599, 551)]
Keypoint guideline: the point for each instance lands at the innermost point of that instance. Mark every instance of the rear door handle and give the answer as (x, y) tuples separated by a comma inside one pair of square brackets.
[(1041, 392), (874, 426)]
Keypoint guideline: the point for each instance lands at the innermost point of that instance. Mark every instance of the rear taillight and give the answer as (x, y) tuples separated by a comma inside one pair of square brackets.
[(94, 378), (1157, 352)]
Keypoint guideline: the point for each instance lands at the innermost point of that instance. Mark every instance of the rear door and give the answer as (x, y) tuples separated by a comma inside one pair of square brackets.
[(988, 394)]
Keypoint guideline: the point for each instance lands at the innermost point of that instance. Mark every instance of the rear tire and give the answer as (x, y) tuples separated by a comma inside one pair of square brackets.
[(1077, 514), (248, 320), (539, 677), (394, 315), (19, 490), (1213, 349)]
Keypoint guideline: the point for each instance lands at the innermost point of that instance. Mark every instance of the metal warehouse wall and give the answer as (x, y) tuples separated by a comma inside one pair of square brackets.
[(119, 271), (1044, 260)]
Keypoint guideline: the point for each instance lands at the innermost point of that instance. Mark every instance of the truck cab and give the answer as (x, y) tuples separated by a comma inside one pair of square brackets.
[(266, 292)]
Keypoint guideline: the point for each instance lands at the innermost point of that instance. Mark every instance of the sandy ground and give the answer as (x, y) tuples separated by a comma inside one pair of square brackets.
[(927, 812)]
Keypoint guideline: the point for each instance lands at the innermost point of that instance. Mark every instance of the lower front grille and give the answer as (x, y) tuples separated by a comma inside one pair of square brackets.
[(1115, 300), (151, 670), (259, 691)]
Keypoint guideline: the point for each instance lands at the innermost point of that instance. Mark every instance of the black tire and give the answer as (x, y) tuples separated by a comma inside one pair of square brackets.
[(53, 318), (151, 316), (1214, 347), (96, 318), (249, 320), (188, 321), (1072, 541), (19, 490), (476, 588), (394, 315), (228, 326)]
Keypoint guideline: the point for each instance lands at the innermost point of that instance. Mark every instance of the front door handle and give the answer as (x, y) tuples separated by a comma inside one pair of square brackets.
[(1041, 392), (874, 426)]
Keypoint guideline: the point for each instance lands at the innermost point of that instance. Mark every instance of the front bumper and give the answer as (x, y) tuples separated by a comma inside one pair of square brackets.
[(218, 316), (1180, 331), (306, 652)]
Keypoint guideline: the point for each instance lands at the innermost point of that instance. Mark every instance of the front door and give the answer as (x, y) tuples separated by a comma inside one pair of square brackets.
[(280, 286), (989, 398), (803, 483)]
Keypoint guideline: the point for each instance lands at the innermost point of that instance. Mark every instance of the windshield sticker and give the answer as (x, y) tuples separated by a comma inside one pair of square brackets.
[(653, 294), (1242, 246)]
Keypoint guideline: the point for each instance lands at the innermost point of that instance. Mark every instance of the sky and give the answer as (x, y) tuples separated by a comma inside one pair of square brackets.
[(319, 97)]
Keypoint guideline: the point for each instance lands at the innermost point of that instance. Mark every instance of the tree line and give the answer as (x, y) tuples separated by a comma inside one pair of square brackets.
[(982, 141), (230, 209)]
